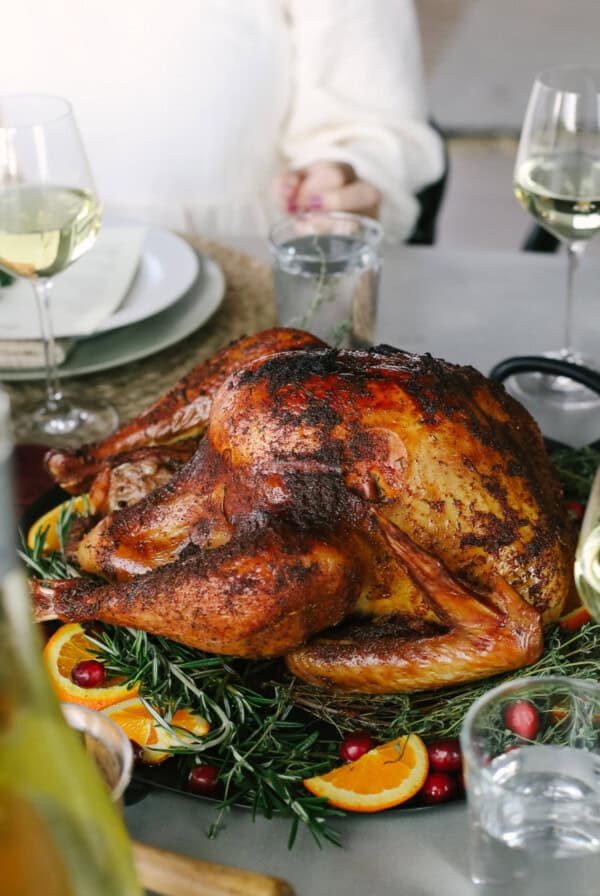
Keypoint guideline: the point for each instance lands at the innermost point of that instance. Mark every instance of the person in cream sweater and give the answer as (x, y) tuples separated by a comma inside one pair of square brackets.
[(215, 116)]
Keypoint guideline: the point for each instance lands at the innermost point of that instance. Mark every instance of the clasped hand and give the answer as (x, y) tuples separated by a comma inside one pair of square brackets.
[(328, 186)]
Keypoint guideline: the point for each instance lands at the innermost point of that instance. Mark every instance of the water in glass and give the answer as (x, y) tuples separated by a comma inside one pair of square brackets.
[(536, 823), (327, 284)]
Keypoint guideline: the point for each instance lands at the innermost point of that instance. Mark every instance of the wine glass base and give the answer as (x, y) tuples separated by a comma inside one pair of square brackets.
[(559, 390), (70, 421)]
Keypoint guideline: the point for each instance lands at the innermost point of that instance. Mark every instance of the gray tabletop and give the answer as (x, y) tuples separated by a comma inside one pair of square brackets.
[(475, 308), (396, 853), (506, 44), (482, 307)]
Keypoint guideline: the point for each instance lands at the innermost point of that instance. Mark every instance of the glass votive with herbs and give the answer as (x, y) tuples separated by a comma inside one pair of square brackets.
[(326, 268)]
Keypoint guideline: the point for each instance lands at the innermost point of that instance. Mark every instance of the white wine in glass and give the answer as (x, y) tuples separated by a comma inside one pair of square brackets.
[(49, 216), (557, 180)]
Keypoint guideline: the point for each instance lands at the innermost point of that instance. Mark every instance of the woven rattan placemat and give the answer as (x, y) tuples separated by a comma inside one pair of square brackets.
[(248, 307)]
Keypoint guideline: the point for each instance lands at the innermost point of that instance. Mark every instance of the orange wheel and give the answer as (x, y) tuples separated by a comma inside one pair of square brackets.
[(384, 777), (67, 647), (49, 523)]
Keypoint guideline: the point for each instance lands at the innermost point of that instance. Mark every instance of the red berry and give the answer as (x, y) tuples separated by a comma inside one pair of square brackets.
[(523, 718), (575, 510), (445, 755), (439, 787), (88, 674), (355, 746), (203, 780)]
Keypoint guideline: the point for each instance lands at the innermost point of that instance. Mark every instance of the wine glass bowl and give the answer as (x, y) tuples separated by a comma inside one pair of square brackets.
[(557, 180), (50, 216)]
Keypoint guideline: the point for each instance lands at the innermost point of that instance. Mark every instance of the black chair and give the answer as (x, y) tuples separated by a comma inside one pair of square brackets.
[(430, 199), (539, 240)]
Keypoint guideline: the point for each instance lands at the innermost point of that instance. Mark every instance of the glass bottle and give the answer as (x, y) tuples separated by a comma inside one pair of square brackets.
[(60, 834)]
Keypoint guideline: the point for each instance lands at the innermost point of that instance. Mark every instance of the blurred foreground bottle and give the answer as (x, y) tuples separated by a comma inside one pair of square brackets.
[(60, 834)]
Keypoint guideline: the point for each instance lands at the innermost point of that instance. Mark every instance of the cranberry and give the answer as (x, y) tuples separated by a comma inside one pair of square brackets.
[(523, 718), (439, 787), (355, 746), (445, 755), (575, 510), (88, 674), (203, 780)]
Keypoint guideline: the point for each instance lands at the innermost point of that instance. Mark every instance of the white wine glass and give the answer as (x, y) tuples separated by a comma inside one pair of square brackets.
[(557, 180), (49, 217)]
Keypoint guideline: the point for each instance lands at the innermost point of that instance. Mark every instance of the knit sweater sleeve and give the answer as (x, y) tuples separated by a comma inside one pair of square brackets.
[(359, 98)]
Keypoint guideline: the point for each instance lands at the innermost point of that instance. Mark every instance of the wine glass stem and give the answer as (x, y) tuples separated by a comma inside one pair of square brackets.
[(574, 253), (42, 288)]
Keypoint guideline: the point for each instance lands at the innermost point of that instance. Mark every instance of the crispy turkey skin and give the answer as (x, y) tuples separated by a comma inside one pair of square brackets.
[(407, 496)]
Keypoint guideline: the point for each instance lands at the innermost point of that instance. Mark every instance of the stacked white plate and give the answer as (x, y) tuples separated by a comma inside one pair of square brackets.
[(174, 290)]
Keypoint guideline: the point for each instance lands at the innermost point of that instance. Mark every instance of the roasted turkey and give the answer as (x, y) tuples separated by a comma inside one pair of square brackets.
[(386, 521)]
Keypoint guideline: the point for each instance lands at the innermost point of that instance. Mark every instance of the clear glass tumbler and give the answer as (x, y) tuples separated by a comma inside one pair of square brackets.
[(326, 269), (531, 750)]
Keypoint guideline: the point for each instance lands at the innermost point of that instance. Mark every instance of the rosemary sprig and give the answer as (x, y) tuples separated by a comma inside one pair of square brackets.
[(262, 750)]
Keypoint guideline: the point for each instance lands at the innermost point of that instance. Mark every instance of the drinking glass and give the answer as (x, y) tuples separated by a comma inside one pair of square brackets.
[(531, 750), (49, 217), (326, 269), (106, 743), (557, 180)]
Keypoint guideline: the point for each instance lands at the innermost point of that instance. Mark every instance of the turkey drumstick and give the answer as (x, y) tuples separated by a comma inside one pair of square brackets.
[(256, 597)]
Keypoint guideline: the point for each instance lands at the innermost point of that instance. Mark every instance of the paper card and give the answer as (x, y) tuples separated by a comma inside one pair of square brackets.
[(85, 295)]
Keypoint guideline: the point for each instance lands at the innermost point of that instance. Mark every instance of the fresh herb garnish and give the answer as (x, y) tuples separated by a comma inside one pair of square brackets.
[(576, 468)]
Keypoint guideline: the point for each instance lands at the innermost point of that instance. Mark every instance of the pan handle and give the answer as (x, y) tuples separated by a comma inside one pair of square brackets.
[(552, 366)]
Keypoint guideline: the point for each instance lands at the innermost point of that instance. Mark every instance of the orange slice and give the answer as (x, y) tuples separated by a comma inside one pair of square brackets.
[(384, 777), (67, 647), (156, 741), (573, 621), (49, 522)]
